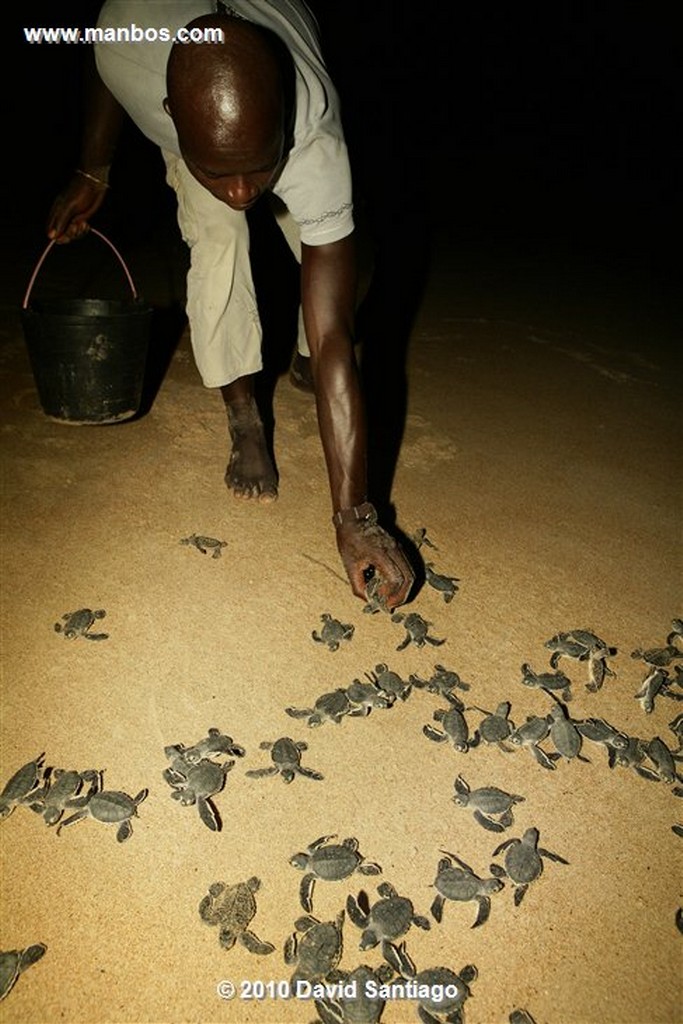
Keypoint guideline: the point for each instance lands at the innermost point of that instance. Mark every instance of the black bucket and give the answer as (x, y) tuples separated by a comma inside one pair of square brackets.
[(88, 356)]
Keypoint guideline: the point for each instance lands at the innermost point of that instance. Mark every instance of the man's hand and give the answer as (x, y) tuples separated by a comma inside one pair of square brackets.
[(73, 208), (364, 546)]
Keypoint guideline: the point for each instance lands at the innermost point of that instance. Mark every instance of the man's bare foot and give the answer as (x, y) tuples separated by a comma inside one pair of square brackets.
[(250, 472)]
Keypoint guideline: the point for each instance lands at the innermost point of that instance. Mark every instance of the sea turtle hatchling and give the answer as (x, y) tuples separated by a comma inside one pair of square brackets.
[(59, 791), (390, 683), (417, 630), (488, 803), (14, 962), (582, 645), (364, 696), (285, 754), (441, 992), (454, 728), (195, 783), (216, 742), (564, 734), (420, 538), (389, 918), (21, 786), (550, 681), (495, 727), (441, 682), (656, 683), (325, 861), (530, 734), (376, 602), (662, 762), (523, 862), (456, 881), (597, 730), (676, 632), (333, 632), (315, 947), (109, 806), (658, 657), (447, 586), (78, 623), (232, 908), (521, 1017), (329, 707), (360, 1000), (205, 544)]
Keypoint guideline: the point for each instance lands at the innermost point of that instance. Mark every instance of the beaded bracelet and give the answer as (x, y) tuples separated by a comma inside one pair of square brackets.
[(365, 512)]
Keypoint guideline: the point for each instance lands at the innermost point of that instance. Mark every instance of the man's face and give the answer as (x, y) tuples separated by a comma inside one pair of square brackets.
[(236, 171)]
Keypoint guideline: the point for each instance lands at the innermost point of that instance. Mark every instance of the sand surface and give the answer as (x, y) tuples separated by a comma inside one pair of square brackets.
[(542, 454)]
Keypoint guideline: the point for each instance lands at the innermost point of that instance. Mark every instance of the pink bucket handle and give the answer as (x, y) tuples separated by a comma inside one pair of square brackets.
[(93, 231)]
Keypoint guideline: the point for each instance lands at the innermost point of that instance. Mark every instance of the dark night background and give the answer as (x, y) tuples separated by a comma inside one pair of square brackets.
[(526, 147)]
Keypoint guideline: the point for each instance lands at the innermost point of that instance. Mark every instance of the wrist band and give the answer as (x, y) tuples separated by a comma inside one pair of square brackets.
[(91, 177), (365, 512)]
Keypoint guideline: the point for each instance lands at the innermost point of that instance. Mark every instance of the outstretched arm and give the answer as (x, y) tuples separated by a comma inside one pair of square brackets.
[(85, 193), (328, 288)]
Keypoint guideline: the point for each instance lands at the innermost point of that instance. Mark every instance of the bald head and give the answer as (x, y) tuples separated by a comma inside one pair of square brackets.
[(227, 99)]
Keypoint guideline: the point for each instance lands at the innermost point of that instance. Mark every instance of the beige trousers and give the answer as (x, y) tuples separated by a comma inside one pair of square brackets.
[(221, 303)]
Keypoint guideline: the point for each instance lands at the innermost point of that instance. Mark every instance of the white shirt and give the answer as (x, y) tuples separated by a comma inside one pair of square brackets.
[(315, 184)]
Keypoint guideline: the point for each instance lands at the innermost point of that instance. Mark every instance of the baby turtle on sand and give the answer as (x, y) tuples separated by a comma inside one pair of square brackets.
[(447, 586), (205, 544), (390, 682), (676, 632), (366, 696), (583, 645), (79, 623), (110, 806), (658, 657), (389, 918), (360, 1005), (286, 757), (523, 862), (630, 756), (442, 992), (455, 728), (487, 803), (195, 783), (461, 884), (329, 707), (663, 762), (59, 791), (597, 730), (564, 733), (657, 683), (14, 962), (417, 630), (318, 951), (21, 786), (420, 538), (521, 1017), (550, 681), (530, 734), (495, 727), (442, 682), (333, 632), (232, 908), (329, 862), (216, 742)]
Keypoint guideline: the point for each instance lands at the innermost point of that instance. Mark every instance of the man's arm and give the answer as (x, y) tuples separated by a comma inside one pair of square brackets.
[(85, 193), (328, 289)]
